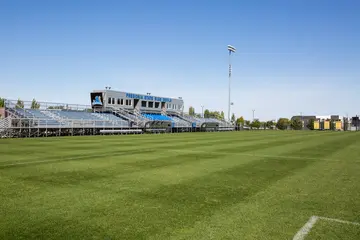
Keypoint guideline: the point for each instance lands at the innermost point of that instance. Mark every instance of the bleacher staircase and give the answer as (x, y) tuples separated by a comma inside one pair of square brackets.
[(4, 124), (135, 118)]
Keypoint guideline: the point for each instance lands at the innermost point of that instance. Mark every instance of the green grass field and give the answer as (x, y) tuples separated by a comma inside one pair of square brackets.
[(236, 185)]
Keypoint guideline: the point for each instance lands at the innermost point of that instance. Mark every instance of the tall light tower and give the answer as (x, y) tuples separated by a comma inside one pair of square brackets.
[(231, 49)]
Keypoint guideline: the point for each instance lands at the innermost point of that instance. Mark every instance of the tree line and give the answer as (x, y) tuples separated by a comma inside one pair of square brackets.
[(208, 114), (281, 124), (34, 104)]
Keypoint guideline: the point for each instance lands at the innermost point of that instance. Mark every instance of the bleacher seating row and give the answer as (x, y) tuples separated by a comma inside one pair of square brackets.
[(156, 117)]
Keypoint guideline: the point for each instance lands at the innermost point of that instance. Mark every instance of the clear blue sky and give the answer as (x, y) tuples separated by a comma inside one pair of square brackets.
[(293, 56)]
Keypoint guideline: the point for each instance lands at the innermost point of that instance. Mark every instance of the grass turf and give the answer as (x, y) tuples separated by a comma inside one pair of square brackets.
[(237, 185)]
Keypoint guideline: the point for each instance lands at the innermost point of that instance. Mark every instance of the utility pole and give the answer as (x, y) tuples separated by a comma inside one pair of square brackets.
[(231, 49)]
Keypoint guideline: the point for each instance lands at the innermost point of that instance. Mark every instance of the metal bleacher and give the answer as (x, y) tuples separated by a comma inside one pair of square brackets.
[(67, 118), (55, 119), (180, 122), (97, 119), (37, 117), (112, 119)]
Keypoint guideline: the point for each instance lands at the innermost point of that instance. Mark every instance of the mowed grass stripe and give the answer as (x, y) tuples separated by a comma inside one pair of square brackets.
[(208, 152), (104, 140), (135, 165), (144, 164), (86, 154), (122, 141), (91, 148), (29, 145), (166, 172)]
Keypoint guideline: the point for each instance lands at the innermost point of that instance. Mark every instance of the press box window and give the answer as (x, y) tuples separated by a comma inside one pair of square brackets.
[(118, 101), (143, 103), (109, 100), (113, 100), (121, 101), (157, 104), (151, 104)]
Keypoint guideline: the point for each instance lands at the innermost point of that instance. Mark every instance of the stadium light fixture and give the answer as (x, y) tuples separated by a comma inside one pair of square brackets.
[(231, 49)]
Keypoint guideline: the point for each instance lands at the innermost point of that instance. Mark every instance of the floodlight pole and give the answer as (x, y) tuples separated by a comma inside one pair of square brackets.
[(231, 49)]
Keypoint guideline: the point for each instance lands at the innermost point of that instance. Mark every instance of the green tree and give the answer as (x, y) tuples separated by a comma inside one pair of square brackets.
[(2, 102), (222, 115), (19, 104), (310, 124), (282, 123), (296, 124), (206, 113), (269, 124), (215, 114), (191, 111), (332, 125), (35, 104), (240, 121), (247, 123), (233, 118), (255, 124)]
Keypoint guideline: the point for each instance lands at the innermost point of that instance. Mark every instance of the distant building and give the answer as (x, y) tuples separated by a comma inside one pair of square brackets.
[(306, 119)]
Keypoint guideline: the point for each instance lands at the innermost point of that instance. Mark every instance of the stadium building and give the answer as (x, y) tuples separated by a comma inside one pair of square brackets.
[(110, 112)]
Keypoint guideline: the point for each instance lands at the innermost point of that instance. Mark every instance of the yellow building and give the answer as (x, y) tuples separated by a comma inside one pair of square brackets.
[(326, 125), (338, 125), (316, 125)]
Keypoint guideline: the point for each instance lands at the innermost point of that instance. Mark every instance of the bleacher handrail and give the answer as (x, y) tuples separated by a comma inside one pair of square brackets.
[(48, 105)]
